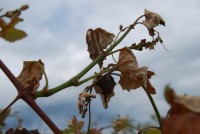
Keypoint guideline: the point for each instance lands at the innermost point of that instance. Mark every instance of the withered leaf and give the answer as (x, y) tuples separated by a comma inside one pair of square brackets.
[(132, 76), (120, 123), (31, 74), (181, 121), (105, 87), (9, 32), (152, 19), (75, 125), (184, 115), (191, 103), (97, 40)]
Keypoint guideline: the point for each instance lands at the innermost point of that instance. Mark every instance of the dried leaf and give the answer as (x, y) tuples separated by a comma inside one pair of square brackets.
[(75, 125), (84, 95), (120, 124), (21, 131), (98, 40), (184, 115), (31, 74), (152, 19), (105, 87), (94, 131), (192, 103), (181, 121), (9, 32), (132, 76)]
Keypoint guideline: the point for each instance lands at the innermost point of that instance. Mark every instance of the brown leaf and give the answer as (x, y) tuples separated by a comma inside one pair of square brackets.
[(152, 19), (181, 121), (98, 40), (184, 115), (132, 76), (105, 87), (31, 74)]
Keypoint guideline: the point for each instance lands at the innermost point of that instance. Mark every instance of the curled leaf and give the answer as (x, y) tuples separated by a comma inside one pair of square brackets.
[(31, 74), (83, 101), (152, 19), (97, 40), (105, 87), (132, 76)]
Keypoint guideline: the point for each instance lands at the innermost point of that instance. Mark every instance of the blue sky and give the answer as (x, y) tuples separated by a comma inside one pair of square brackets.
[(56, 34)]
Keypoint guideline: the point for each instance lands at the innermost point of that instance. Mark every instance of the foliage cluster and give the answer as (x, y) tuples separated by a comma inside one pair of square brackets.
[(183, 116)]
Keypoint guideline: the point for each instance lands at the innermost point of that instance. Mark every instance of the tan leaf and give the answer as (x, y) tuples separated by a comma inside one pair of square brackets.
[(132, 76), (152, 19), (98, 40), (75, 124), (31, 74), (192, 103), (120, 124)]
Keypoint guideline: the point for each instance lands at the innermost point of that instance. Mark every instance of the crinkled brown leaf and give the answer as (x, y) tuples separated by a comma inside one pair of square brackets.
[(9, 32), (105, 87), (132, 76), (98, 40), (152, 19), (31, 74)]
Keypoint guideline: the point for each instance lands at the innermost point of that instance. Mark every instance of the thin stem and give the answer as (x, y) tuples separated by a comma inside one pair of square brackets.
[(154, 107), (89, 109), (95, 75)]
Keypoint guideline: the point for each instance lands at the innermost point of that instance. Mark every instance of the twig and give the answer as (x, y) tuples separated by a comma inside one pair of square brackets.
[(26, 95)]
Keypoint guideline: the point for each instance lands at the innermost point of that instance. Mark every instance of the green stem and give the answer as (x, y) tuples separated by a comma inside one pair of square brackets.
[(74, 80), (154, 107), (95, 75)]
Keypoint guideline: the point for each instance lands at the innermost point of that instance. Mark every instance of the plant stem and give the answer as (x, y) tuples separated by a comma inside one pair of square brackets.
[(154, 107), (26, 95)]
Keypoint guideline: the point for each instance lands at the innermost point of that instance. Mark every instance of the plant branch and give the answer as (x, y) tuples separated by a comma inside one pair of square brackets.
[(74, 80), (154, 107), (26, 95)]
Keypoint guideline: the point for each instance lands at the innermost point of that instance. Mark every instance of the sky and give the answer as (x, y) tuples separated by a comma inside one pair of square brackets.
[(56, 35)]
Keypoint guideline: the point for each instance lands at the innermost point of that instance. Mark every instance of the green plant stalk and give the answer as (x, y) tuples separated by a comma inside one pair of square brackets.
[(95, 75), (154, 107), (74, 80)]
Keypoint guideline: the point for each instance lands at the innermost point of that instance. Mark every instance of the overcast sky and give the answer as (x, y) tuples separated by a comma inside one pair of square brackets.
[(56, 35)]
